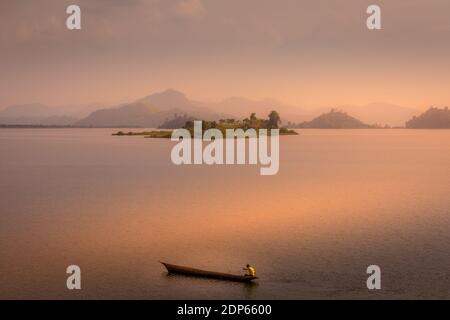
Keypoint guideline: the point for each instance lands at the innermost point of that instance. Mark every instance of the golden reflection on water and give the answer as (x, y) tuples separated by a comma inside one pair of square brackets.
[(342, 200)]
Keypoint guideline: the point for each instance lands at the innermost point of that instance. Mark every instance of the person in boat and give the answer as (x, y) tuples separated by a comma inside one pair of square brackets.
[(251, 272)]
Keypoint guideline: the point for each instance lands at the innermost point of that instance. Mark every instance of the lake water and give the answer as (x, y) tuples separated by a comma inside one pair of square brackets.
[(342, 200)]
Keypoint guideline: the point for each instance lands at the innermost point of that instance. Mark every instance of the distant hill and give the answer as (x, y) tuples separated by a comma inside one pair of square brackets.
[(334, 120), (34, 114), (380, 113), (150, 111), (433, 118)]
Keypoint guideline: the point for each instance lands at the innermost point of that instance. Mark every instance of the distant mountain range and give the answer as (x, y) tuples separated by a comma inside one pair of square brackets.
[(159, 108), (34, 114), (150, 111)]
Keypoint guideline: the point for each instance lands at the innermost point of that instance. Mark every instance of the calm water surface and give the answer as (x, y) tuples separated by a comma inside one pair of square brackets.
[(342, 200)]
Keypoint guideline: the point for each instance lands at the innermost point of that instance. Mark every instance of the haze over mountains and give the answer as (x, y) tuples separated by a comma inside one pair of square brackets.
[(381, 113), (155, 109), (241, 107), (34, 114), (150, 111)]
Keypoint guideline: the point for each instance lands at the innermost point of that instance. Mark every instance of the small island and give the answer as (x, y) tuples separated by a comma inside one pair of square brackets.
[(433, 118), (272, 122), (334, 119), (146, 134)]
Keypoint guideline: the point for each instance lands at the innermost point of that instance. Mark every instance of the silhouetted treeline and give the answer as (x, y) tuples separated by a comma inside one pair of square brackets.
[(433, 118)]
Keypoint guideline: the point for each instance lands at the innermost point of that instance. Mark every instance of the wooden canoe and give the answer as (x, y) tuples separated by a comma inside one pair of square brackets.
[(171, 268)]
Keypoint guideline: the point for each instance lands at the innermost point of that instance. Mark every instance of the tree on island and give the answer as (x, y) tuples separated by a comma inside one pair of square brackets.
[(274, 120)]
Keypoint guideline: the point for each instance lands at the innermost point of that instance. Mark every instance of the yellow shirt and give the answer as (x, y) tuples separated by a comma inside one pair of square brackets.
[(251, 271)]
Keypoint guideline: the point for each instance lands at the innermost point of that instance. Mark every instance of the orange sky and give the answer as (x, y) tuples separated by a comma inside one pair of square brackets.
[(305, 53)]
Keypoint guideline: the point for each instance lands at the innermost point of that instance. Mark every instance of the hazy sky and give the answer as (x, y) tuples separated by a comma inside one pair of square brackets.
[(306, 53)]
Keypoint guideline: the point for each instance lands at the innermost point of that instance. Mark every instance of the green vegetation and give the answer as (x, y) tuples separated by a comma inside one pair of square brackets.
[(252, 122), (146, 134), (287, 132), (121, 133), (159, 134), (272, 122)]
